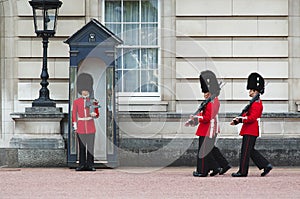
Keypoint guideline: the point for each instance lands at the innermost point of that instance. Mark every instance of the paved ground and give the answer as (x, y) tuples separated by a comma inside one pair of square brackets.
[(170, 182)]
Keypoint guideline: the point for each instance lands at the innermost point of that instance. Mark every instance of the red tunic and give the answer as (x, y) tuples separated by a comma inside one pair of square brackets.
[(250, 125), (81, 115), (208, 119)]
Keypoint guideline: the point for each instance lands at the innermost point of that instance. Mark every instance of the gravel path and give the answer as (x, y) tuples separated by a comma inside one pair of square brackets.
[(170, 182)]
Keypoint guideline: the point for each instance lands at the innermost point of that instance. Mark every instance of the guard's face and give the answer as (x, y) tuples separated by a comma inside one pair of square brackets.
[(85, 93), (206, 95), (252, 92)]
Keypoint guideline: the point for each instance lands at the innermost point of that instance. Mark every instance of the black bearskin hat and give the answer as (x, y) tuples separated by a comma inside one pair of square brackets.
[(85, 82), (209, 83), (256, 82)]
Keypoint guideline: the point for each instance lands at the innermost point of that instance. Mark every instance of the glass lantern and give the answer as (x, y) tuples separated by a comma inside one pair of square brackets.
[(45, 16)]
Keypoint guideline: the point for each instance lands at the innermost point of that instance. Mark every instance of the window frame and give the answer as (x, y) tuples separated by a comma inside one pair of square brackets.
[(142, 95)]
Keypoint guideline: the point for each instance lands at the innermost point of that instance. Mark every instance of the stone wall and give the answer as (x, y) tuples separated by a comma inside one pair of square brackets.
[(156, 152), (161, 140)]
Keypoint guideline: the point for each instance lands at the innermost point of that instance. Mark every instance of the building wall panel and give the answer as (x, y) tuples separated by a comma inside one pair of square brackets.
[(32, 69), (203, 7), (232, 48), (65, 27), (191, 27), (204, 48), (233, 68), (272, 26), (260, 48), (260, 7), (273, 91), (232, 91), (68, 8), (29, 90), (190, 107), (232, 26), (34, 48)]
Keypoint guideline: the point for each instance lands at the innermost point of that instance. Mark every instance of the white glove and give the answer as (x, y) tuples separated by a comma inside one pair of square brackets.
[(75, 126), (93, 114)]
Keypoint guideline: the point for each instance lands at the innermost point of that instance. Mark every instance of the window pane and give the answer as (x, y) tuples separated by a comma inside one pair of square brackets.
[(39, 20), (149, 81), (119, 81), (115, 28), (50, 19), (119, 58), (131, 34), (131, 81), (113, 11), (149, 58), (131, 59), (131, 11), (149, 11), (136, 23), (149, 34)]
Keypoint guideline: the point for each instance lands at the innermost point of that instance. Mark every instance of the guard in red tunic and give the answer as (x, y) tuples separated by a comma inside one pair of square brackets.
[(209, 156), (250, 129), (84, 111)]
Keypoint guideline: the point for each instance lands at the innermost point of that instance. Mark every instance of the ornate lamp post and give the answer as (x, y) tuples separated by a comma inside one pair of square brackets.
[(45, 17)]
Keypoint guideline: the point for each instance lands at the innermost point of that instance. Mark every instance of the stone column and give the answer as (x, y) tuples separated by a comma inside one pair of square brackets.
[(294, 55), (38, 138)]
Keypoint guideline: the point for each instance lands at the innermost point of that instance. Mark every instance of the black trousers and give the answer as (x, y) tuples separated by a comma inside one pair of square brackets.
[(221, 160), (248, 152), (205, 158), (86, 149)]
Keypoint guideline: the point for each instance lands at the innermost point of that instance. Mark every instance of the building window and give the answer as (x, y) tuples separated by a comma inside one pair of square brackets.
[(136, 23)]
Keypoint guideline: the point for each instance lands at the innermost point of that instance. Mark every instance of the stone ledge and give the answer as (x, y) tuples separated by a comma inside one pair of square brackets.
[(34, 142), (39, 112), (180, 115), (183, 152), (142, 106)]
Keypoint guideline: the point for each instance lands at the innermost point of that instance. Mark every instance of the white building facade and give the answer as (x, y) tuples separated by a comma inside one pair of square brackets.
[(167, 43)]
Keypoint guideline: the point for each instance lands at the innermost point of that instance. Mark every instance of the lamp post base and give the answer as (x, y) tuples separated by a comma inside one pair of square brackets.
[(43, 103), (38, 137)]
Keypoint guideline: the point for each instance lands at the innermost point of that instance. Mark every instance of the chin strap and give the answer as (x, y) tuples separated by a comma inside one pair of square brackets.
[(85, 96)]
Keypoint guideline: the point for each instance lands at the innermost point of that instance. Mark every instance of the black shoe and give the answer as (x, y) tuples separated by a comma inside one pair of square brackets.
[(215, 171), (224, 170), (90, 169), (197, 174), (268, 168), (238, 174), (80, 168)]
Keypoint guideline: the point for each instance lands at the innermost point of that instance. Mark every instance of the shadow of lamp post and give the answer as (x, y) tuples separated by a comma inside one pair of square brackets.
[(45, 17)]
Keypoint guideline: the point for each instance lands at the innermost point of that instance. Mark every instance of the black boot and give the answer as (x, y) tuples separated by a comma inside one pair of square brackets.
[(267, 169), (238, 174), (215, 171), (80, 168), (224, 170), (90, 168), (197, 174)]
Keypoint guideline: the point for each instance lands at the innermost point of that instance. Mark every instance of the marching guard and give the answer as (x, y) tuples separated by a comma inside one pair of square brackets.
[(84, 111), (250, 128), (209, 156)]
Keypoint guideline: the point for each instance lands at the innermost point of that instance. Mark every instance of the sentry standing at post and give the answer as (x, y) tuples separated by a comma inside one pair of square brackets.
[(250, 129), (84, 111)]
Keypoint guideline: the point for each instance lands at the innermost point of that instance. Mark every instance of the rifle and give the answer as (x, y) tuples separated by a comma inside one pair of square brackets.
[(202, 106), (246, 108), (92, 104)]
